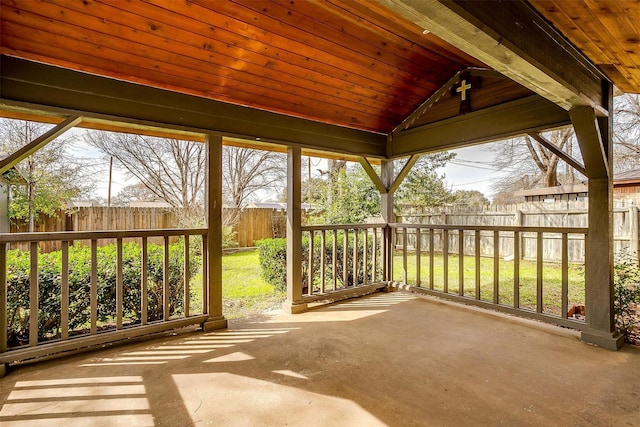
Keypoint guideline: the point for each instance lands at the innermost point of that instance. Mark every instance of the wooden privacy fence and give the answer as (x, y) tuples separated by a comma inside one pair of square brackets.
[(253, 223), (561, 214)]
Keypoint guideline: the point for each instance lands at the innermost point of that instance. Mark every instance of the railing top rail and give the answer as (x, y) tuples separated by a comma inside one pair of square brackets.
[(568, 230), (342, 227), (90, 235)]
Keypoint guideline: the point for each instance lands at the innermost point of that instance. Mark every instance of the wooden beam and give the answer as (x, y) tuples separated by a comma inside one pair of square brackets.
[(589, 137), (558, 152), (27, 150), (531, 114), (403, 173), (512, 38), (60, 91), (372, 174)]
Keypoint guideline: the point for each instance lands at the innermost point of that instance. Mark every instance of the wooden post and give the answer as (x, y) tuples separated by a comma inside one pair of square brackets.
[(386, 210), (633, 232), (294, 303), (595, 139), (213, 207)]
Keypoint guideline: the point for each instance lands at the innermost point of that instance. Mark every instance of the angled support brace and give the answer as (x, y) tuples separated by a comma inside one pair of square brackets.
[(596, 160), (364, 162), (24, 152), (377, 180), (558, 152)]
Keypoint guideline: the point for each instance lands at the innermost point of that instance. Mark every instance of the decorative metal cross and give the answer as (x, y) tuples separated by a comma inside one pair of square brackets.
[(463, 88)]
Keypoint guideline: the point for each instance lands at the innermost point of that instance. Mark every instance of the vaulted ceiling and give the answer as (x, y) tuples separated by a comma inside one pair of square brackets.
[(362, 65)]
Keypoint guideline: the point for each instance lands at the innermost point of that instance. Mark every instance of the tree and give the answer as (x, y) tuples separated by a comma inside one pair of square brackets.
[(470, 198), (47, 180), (170, 169), (528, 164), (626, 131), (423, 185)]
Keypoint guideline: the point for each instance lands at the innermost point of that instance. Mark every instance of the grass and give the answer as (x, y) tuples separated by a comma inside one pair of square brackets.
[(244, 291), (551, 280)]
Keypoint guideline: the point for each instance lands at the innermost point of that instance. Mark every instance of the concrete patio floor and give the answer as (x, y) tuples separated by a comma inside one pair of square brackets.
[(392, 359)]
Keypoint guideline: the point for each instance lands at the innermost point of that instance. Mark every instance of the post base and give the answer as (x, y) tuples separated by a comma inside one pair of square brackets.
[(214, 323), (294, 307), (611, 341), (3, 369)]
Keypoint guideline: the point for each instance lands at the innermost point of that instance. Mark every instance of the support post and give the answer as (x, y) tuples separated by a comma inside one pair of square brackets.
[(213, 205), (294, 303), (595, 139), (386, 210)]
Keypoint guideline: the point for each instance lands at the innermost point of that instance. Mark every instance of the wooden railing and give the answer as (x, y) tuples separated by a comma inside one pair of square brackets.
[(453, 262), (341, 258), (155, 303)]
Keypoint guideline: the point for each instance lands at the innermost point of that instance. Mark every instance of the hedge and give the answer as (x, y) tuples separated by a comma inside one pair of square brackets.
[(273, 260), (49, 279)]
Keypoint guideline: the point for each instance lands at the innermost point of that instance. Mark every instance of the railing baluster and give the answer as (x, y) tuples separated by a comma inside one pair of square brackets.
[(445, 260), (516, 269), (33, 296), (355, 257), (345, 259), (539, 277), (478, 248), (310, 275), (205, 275), (365, 255), (418, 255), (119, 284), (64, 291), (405, 237), (165, 280), (461, 262), (496, 267), (144, 298), (374, 271), (3, 297), (323, 260), (334, 261), (94, 287), (187, 278), (431, 262), (564, 304)]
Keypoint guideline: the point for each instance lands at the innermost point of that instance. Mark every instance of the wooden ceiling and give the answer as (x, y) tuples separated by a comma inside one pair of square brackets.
[(345, 62), (352, 63), (606, 31)]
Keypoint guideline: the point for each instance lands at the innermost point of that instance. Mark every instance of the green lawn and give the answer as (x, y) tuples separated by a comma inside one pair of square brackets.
[(244, 291), (551, 274)]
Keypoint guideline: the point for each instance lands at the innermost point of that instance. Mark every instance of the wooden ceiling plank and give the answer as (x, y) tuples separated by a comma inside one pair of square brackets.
[(220, 42), (513, 40), (315, 45), (402, 53), (621, 34), (406, 29), (175, 77), (74, 19), (38, 86)]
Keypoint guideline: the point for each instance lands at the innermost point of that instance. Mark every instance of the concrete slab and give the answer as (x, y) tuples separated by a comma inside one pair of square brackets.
[(392, 359)]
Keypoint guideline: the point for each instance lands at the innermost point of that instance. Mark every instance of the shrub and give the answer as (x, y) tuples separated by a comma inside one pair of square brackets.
[(626, 275), (273, 260), (49, 279)]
